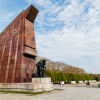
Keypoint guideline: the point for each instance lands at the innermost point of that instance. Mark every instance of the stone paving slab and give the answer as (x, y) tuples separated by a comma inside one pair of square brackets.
[(69, 93)]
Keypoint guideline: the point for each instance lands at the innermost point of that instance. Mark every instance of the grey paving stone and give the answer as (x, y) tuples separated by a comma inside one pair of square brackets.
[(69, 93)]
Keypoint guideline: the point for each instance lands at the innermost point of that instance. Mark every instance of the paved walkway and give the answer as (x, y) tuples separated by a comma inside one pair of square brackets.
[(69, 93)]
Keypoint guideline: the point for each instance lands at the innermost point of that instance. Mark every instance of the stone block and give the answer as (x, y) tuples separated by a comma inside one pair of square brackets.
[(81, 82), (73, 82), (89, 81), (47, 86), (93, 81), (85, 81), (34, 80), (41, 80)]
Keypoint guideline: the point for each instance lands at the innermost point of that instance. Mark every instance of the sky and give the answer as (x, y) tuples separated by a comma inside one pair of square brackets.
[(66, 30)]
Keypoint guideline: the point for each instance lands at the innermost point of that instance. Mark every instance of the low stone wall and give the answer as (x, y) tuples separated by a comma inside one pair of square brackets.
[(43, 84)]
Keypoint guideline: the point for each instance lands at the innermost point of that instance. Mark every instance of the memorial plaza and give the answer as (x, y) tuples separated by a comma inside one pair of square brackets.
[(19, 70), (68, 93)]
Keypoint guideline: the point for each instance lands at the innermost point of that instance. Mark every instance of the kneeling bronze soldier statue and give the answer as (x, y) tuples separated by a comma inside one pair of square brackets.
[(41, 68)]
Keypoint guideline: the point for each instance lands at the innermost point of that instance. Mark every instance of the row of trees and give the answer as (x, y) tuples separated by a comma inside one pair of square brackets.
[(96, 76), (58, 76), (59, 71)]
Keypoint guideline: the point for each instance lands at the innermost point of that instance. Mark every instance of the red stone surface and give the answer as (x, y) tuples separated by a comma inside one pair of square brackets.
[(18, 48)]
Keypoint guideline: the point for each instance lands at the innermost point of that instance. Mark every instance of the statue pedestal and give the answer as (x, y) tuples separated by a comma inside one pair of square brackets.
[(45, 82), (41, 80)]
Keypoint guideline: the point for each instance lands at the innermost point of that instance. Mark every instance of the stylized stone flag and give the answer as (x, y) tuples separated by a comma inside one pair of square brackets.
[(18, 48)]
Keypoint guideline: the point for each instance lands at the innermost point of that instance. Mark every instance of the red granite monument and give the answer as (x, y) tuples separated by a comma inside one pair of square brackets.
[(18, 48)]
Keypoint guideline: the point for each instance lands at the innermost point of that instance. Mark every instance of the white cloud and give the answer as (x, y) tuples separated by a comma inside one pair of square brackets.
[(43, 3), (71, 48), (77, 42)]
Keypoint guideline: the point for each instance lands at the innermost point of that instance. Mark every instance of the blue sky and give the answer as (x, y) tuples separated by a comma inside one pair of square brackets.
[(66, 30)]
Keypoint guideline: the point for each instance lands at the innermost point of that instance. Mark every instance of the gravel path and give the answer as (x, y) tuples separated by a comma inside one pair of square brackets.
[(69, 93)]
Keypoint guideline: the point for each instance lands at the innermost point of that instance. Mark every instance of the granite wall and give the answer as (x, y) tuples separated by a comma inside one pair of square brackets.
[(18, 48)]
